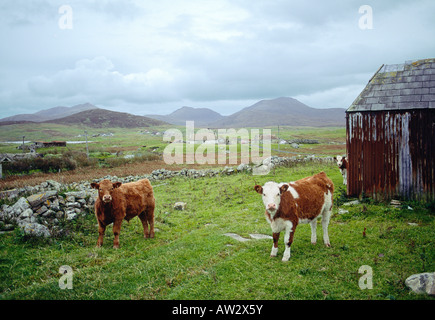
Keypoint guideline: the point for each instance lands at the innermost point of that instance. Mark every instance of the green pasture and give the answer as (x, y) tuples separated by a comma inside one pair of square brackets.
[(191, 258)]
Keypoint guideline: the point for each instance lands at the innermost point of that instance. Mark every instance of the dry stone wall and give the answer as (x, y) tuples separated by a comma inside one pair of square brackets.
[(39, 209)]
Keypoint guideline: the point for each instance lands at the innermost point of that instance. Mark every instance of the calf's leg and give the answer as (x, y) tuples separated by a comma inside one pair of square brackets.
[(313, 225), (101, 231), (143, 219), (147, 218), (116, 230), (326, 215), (288, 240), (150, 219), (325, 223), (274, 251)]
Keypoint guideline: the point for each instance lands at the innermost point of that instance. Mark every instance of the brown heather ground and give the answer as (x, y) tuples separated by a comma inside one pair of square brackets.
[(90, 173)]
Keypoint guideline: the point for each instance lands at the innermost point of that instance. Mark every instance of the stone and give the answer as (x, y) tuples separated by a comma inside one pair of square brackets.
[(26, 213), (36, 200), (295, 145), (35, 229), (6, 212), (54, 184), (351, 203), (70, 198), (60, 215), (49, 213), (242, 167), (73, 205), (342, 211), (262, 169), (71, 216), (41, 210), (229, 171), (21, 205), (422, 283), (180, 206), (77, 194)]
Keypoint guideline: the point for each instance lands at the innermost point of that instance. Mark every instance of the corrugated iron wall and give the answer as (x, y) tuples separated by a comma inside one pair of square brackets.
[(391, 154)]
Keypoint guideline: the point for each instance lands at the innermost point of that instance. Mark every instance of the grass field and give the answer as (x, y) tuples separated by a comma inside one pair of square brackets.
[(191, 258), (106, 153)]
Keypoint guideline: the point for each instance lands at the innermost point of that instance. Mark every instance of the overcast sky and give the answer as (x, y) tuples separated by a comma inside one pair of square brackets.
[(153, 57)]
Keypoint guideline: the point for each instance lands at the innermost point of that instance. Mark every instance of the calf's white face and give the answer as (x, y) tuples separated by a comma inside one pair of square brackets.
[(271, 195), (339, 161)]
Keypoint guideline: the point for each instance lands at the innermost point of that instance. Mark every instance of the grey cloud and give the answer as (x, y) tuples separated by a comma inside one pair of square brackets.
[(143, 54)]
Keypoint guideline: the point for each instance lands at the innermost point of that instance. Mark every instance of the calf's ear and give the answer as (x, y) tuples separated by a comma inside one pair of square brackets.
[(117, 184), (283, 188), (259, 189), (95, 185)]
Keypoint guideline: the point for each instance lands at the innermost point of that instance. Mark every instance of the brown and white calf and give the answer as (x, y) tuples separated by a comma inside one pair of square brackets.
[(342, 165), (301, 201), (117, 201)]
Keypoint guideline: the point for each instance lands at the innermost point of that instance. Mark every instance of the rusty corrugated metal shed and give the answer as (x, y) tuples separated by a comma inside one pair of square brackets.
[(391, 134)]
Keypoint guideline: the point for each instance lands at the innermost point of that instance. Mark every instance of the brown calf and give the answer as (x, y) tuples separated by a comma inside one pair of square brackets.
[(301, 201), (117, 201)]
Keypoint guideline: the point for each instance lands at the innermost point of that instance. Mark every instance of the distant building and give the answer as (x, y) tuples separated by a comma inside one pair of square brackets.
[(41, 144), (390, 130), (10, 157)]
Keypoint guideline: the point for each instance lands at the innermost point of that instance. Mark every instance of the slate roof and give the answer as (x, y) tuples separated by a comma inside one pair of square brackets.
[(410, 85)]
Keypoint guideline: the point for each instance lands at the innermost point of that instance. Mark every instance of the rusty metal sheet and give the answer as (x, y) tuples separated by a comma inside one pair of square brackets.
[(391, 154)]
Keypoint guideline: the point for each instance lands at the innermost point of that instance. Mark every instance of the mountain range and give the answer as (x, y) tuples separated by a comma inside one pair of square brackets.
[(84, 114), (50, 114), (280, 111), (101, 118), (202, 116)]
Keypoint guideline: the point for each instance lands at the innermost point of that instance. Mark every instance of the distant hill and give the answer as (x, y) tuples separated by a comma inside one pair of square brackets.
[(101, 118), (49, 114), (202, 116), (282, 111)]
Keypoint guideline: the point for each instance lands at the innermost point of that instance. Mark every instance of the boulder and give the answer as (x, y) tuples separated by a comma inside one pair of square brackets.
[(422, 283), (21, 205), (35, 229), (26, 213), (36, 200), (180, 205), (295, 145), (41, 210), (242, 167)]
